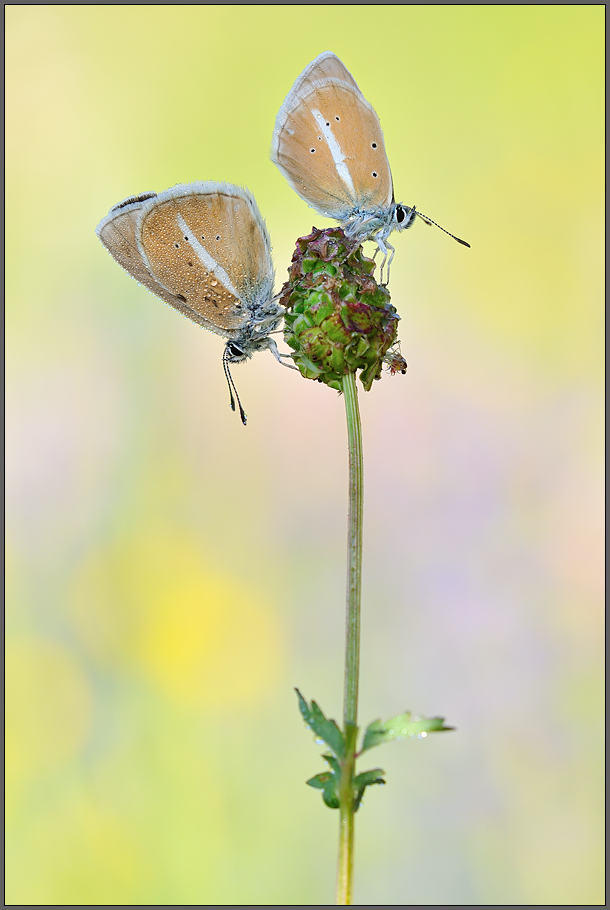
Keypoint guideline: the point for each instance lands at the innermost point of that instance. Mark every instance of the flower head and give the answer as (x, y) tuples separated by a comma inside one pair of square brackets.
[(338, 319)]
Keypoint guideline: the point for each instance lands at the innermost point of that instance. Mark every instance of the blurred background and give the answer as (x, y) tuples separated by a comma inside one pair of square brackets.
[(172, 575)]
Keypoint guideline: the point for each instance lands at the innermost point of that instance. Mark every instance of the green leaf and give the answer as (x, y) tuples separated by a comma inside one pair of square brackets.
[(325, 729), (364, 780), (328, 782), (401, 727)]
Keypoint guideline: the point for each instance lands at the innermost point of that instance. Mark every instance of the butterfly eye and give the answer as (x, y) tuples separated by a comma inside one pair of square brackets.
[(400, 214), (234, 349)]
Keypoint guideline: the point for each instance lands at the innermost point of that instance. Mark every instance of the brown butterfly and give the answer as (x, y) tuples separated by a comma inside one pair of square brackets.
[(204, 249), (329, 145)]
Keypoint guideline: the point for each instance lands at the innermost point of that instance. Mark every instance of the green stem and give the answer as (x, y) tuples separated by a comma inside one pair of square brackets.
[(354, 550), (345, 870)]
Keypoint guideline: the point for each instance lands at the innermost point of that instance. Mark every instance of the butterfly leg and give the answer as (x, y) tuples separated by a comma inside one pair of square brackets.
[(387, 271), (388, 250), (381, 246), (278, 356)]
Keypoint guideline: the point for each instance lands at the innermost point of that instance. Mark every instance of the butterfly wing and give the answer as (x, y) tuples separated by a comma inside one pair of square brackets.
[(117, 231), (207, 243), (326, 66), (329, 144)]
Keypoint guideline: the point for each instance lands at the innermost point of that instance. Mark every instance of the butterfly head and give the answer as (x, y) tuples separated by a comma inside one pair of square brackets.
[(403, 216)]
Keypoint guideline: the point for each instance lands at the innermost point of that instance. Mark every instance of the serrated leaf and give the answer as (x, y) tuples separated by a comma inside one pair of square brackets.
[(324, 728), (364, 780), (319, 781), (333, 763), (328, 782), (402, 726), (331, 799)]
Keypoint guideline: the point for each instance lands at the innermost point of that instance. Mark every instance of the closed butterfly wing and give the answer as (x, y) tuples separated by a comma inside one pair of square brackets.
[(206, 243), (117, 231), (326, 66), (329, 145)]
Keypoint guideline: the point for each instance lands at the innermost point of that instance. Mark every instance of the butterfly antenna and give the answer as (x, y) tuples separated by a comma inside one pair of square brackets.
[(232, 389), (430, 221)]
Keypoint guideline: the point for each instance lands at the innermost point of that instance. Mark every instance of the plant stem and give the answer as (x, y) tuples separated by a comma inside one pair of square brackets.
[(345, 870), (354, 550)]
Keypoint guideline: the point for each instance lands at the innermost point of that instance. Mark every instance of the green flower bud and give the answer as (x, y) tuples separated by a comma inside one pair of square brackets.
[(338, 319)]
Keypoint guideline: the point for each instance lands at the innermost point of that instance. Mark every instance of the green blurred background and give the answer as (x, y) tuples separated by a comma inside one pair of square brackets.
[(172, 575)]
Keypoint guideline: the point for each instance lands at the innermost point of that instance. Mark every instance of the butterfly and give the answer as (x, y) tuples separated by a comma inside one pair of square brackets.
[(329, 145), (204, 249)]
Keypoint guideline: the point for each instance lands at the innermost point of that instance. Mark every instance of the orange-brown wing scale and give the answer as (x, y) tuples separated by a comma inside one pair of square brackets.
[(305, 155), (326, 66), (224, 226), (118, 234)]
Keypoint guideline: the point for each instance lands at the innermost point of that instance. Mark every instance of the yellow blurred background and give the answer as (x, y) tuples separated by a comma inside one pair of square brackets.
[(172, 574)]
